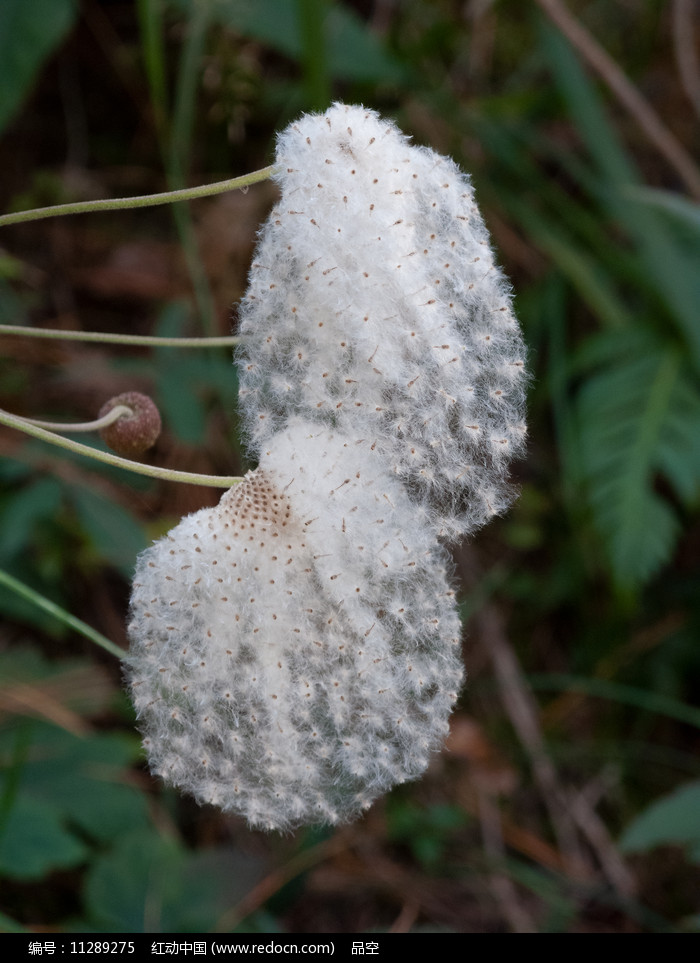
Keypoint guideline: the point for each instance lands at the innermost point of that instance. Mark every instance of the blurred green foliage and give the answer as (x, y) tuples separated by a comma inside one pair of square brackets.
[(427, 831), (28, 35), (597, 565), (672, 819)]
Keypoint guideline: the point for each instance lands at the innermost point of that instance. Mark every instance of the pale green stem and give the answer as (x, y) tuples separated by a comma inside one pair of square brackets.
[(150, 16), (311, 15), (177, 154), (225, 341), (114, 414), (168, 474), (180, 135), (60, 613), (144, 200)]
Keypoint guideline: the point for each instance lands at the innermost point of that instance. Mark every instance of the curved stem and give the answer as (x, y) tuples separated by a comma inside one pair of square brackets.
[(52, 608), (224, 341), (144, 200), (168, 474), (114, 414)]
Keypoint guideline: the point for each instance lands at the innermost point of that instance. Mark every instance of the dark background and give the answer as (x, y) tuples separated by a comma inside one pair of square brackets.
[(568, 799)]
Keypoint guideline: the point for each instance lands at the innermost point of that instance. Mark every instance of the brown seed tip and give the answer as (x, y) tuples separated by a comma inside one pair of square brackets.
[(131, 434)]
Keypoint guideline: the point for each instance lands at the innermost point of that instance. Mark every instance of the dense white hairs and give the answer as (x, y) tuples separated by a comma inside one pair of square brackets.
[(295, 651), (375, 307)]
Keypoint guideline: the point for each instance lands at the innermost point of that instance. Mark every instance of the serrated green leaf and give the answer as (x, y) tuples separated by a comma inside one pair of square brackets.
[(673, 819), (29, 33), (679, 448), (639, 416)]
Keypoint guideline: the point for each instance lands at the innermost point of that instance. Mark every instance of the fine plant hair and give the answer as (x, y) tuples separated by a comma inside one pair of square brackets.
[(375, 306), (295, 651)]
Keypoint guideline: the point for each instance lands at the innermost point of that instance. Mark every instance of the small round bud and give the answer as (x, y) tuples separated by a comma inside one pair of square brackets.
[(131, 434)]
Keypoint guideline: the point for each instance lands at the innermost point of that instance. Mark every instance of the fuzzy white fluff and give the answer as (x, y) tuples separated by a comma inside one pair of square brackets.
[(295, 650), (375, 307)]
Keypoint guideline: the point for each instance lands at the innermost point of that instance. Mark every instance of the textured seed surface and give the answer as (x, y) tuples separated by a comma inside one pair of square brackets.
[(375, 305), (295, 651)]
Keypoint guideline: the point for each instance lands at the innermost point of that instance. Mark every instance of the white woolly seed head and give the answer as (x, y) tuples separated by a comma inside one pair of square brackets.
[(375, 307), (295, 650)]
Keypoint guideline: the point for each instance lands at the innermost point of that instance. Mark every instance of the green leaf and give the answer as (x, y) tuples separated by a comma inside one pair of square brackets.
[(22, 511), (671, 820), (82, 779), (426, 831), (636, 417), (116, 534), (29, 33), (12, 308), (586, 107), (353, 52), (569, 231), (670, 266), (679, 452), (546, 886), (649, 701), (150, 883), (35, 841), (312, 18), (137, 887), (8, 925), (186, 384), (674, 205), (12, 470), (178, 397), (585, 271), (178, 387), (85, 780)]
